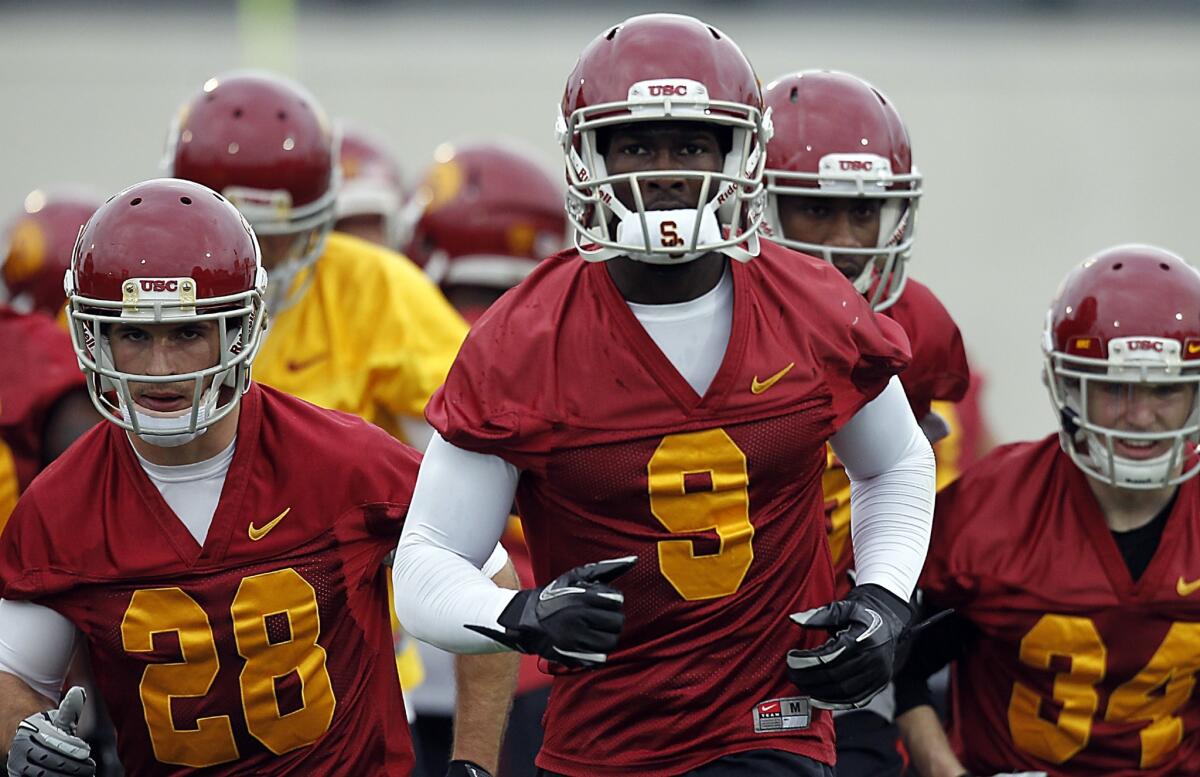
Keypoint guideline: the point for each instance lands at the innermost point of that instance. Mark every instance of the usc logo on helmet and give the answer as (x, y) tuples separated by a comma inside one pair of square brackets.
[(856, 165), (159, 285), (668, 90)]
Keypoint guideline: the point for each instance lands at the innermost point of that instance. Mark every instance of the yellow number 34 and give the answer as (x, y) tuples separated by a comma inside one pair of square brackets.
[(1154, 695), (164, 610)]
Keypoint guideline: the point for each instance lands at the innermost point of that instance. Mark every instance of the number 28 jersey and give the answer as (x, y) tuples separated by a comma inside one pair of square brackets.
[(1077, 669), (266, 651), (718, 496)]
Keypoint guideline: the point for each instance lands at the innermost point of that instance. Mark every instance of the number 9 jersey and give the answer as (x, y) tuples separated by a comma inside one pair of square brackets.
[(267, 650), (718, 495), (1076, 668)]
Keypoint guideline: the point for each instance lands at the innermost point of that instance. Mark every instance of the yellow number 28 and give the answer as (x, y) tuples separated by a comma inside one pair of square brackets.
[(281, 593), (698, 482)]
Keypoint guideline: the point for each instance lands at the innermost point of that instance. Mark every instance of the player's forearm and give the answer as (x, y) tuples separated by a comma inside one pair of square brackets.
[(928, 747), (892, 482), (459, 510), (485, 691), (17, 702)]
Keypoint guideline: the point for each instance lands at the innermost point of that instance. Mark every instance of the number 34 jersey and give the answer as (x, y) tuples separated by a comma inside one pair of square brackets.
[(718, 496), (266, 651), (1077, 669)]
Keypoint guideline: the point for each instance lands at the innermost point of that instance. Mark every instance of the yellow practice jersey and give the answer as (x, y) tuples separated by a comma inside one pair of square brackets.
[(836, 486), (371, 336)]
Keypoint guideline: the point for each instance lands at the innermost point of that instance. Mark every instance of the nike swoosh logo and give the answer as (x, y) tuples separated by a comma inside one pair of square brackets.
[(295, 365), (1184, 588), (258, 534), (876, 622), (1193, 348), (554, 590), (757, 387)]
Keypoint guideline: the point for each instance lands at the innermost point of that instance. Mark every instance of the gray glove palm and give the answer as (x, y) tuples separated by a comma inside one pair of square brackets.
[(45, 744)]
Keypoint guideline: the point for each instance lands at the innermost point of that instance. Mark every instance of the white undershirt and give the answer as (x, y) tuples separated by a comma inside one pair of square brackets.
[(451, 529), (692, 335), (192, 491)]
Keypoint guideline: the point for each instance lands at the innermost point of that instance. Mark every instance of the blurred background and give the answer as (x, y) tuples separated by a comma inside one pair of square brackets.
[(1045, 130)]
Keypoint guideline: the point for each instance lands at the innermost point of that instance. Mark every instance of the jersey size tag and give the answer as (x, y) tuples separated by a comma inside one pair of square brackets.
[(782, 714)]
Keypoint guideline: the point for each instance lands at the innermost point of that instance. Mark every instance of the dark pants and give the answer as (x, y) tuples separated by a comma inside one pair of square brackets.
[(433, 737), (755, 763), (866, 746)]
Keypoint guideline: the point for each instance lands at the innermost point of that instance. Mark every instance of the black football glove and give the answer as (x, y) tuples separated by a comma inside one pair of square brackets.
[(460, 768), (857, 662), (574, 621)]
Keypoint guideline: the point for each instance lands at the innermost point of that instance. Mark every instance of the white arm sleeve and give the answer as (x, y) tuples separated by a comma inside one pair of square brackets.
[(36, 644), (892, 485), (458, 513), (417, 432)]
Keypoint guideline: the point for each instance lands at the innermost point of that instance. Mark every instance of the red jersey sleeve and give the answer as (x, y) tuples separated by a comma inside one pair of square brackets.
[(497, 397), (856, 350), (939, 362), (39, 368)]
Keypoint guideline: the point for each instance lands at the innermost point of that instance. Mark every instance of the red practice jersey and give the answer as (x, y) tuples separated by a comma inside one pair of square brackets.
[(39, 368), (938, 371), (266, 651), (1077, 670), (719, 496), (939, 362)]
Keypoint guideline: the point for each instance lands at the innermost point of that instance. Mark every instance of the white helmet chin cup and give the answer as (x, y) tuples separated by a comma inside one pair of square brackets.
[(1125, 472), (169, 430), (661, 230)]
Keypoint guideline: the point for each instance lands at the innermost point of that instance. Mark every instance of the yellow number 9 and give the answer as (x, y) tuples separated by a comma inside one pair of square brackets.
[(698, 482)]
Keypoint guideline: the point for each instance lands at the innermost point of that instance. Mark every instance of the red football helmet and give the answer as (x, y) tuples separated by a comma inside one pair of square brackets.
[(35, 250), (1127, 316), (265, 143), (484, 215), (371, 183), (165, 251), (838, 136), (653, 68)]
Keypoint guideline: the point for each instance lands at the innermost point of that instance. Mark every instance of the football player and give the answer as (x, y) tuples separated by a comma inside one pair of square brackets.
[(842, 186), (1071, 560), (35, 249), (480, 220), (43, 404), (371, 190), (354, 326), (658, 400), (216, 544)]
